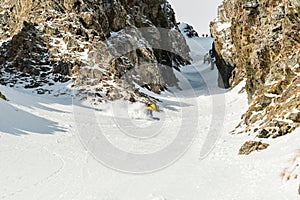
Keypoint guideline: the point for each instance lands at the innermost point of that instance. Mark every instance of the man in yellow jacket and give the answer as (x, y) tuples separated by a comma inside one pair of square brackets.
[(150, 108)]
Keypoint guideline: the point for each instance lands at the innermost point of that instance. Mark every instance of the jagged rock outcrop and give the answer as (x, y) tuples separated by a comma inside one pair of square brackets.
[(251, 146), (259, 42), (2, 96), (190, 31), (102, 45), (26, 59)]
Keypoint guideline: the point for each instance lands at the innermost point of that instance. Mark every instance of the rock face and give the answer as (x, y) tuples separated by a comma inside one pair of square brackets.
[(2, 96), (259, 42), (189, 31), (252, 146), (103, 44)]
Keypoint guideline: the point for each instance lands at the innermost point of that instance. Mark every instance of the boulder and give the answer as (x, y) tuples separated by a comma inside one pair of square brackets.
[(252, 146)]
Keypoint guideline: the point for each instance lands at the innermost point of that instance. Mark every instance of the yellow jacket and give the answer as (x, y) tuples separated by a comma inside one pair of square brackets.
[(152, 107)]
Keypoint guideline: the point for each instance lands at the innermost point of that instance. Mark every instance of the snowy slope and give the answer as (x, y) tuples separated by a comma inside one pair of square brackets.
[(60, 148)]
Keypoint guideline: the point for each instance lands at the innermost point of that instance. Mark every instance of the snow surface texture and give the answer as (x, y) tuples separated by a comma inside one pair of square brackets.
[(50, 147)]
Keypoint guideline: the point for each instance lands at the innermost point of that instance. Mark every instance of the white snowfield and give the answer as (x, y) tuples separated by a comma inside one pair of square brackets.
[(52, 148)]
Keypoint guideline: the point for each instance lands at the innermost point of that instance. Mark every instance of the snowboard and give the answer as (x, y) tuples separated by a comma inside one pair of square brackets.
[(149, 118), (155, 118)]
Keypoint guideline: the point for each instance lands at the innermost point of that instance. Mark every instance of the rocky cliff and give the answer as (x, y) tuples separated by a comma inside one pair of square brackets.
[(104, 46), (259, 42)]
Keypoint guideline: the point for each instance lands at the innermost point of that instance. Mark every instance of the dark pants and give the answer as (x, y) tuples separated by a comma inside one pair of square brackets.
[(149, 113)]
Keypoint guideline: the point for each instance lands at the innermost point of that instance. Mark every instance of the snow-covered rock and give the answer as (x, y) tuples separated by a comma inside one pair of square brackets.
[(91, 43), (258, 41)]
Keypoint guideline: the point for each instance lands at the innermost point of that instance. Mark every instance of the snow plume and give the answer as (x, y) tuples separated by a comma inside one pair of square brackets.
[(124, 109), (137, 110)]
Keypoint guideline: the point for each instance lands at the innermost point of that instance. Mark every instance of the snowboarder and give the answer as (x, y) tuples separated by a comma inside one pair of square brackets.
[(150, 108)]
